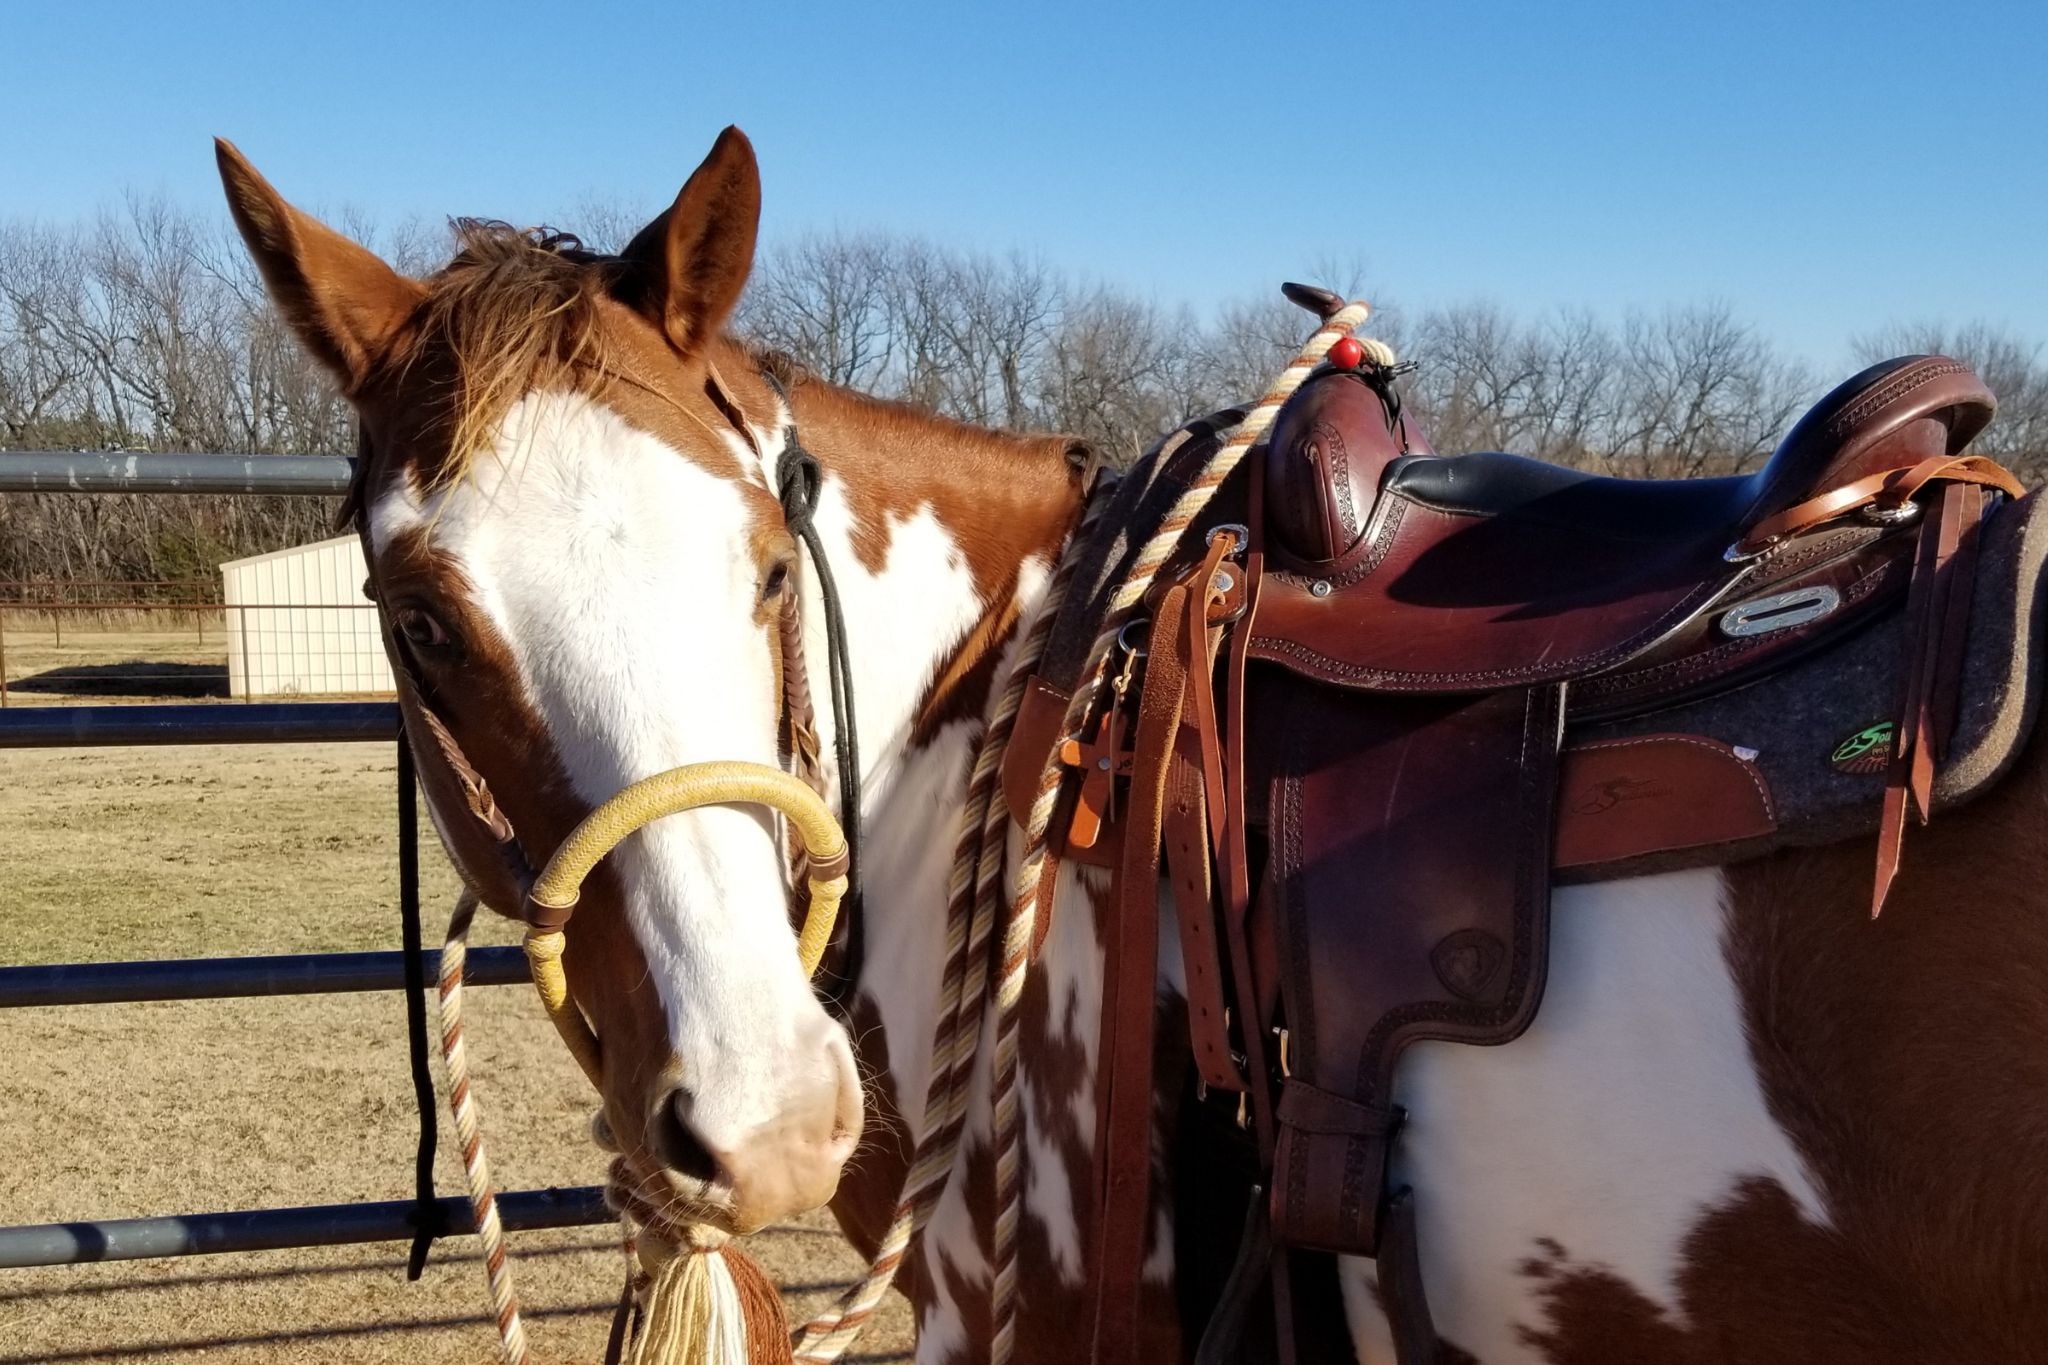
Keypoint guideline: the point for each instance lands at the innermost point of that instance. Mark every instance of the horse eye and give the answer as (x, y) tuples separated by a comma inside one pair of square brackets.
[(778, 578), (422, 628)]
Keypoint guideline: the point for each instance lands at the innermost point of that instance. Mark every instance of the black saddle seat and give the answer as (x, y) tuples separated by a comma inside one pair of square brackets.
[(1520, 488), (1894, 413)]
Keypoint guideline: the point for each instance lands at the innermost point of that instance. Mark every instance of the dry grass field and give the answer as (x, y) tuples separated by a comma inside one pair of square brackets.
[(124, 1110)]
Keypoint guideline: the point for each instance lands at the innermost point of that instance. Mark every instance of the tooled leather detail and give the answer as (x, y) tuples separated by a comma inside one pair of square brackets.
[(1374, 554), (1339, 475), (1898, 386), (1674, 675), (1467, 962), (1361, 1181), (1749, 770), (1393, 680), (1532, 845)]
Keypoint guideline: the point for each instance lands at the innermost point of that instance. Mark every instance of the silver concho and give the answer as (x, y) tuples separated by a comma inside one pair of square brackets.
[(1779, 611)]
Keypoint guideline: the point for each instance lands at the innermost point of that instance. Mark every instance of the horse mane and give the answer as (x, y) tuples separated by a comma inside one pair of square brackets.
[(517, 310)]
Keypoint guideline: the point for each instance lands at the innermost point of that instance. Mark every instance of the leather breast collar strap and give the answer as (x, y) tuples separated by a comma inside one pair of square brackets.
[(799, 480)]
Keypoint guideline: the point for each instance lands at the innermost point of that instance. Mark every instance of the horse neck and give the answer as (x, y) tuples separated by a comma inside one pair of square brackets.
[(941, 539)]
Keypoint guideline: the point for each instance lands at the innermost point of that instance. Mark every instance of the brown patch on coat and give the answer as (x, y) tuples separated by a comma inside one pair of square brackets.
[(473, 688), (1003, 497), (961, 688), (1904, 1059)]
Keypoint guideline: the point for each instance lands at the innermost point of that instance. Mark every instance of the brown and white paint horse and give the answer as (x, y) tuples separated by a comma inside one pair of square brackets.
[(1747, 1124)]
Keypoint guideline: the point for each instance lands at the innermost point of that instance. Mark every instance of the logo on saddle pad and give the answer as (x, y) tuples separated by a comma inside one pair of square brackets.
[(1601, 797), (1867, 751), (1469, 963)]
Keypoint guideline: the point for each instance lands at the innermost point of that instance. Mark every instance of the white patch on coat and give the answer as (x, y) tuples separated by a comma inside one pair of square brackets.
[(1626, 1111), (907, 858), (1071, 964), (610, 565), (902, 623)]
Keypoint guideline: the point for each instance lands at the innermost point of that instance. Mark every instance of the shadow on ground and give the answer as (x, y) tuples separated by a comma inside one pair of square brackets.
[(137, 678)]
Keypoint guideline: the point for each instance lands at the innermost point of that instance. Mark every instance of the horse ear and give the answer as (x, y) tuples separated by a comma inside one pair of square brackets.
[(344, 303), (689, 265)]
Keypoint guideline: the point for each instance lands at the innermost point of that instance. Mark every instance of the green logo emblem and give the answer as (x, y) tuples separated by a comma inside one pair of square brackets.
[(1869, 750)]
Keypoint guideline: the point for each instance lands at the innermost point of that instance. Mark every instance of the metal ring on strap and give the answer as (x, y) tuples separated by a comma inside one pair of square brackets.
[(553, 898)]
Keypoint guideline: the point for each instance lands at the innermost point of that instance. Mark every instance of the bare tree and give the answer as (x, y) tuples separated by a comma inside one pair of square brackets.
[(1700, 394), (2013, 369), (147, 328), (827, 301)]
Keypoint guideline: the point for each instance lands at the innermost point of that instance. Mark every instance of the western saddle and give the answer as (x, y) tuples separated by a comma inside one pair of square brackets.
[(1386, 698)]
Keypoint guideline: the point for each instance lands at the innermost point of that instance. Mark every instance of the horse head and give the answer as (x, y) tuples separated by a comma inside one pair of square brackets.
[(567, 494)]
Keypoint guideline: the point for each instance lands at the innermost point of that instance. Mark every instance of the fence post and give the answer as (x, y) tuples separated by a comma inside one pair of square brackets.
[(3, 656), (248, 683)]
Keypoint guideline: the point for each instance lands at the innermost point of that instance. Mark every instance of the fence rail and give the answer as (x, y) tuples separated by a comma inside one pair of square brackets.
[(425, 1216), (207, 1234), (67, 471), (232, 978), (263, 722)]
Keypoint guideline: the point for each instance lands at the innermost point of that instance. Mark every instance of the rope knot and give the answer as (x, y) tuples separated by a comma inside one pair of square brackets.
[(798, 481)]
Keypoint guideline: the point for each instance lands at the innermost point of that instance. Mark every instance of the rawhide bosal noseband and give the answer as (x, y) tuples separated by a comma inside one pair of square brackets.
[(703, 1304)]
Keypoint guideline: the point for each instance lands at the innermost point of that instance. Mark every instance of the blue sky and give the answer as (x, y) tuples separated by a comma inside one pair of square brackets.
[(1822, 168)]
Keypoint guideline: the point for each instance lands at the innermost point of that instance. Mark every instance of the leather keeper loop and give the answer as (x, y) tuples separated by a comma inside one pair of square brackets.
[(547, 918), (1311, 1109)]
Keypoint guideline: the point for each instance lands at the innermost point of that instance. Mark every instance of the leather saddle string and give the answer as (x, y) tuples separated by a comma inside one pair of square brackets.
[(1937, 613), (1124, 1113), (1889, 489)]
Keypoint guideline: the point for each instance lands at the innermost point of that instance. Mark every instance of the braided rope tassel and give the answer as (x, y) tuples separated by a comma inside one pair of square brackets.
[(475, 1167), (1023, 909), (970, 910)]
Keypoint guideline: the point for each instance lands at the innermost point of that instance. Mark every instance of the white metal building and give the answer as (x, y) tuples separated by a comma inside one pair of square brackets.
[(298, 624)]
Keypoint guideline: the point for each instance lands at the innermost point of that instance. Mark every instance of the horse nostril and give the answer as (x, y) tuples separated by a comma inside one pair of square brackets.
[(677, 1144)]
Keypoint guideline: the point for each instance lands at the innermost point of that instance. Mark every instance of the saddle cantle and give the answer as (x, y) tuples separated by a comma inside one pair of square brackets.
[(1446, 682)]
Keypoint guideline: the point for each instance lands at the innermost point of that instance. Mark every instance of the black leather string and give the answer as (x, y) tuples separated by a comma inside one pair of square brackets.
[(426, 1217), (799, 480)]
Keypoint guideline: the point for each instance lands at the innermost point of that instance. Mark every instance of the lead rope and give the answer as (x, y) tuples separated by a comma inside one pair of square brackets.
[(977, 865), (476, 1169), (974, 893), (1021, 921)]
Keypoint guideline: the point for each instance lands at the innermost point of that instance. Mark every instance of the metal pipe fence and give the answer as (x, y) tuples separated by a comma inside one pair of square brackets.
[(420, 1219), (235, 978), (207, 1234), (77, 471)]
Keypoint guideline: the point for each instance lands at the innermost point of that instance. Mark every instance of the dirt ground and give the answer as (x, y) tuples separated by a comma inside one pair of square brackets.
[(178, 1107)]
